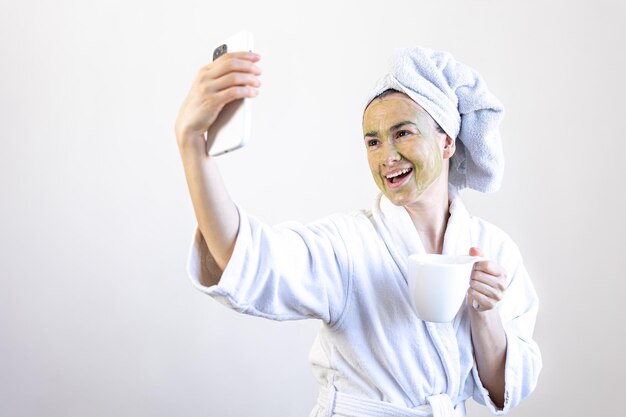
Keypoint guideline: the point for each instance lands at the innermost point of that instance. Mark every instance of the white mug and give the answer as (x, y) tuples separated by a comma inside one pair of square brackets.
[(438, 284)]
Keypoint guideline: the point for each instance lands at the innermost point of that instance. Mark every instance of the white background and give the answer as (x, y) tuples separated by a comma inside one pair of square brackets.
[(97, 316)]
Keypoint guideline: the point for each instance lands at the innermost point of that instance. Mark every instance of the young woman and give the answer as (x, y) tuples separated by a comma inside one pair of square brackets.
[(430, 129)]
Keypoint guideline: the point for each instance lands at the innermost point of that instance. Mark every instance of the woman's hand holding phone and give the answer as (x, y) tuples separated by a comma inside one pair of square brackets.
[(230, 77)]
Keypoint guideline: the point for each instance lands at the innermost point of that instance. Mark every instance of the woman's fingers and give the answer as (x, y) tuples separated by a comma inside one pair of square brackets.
[(224, 78), (232, 62), (489, 267), (487, 284), (492, 291), (495, 279), (230, 77), (234, 79), (236, 92), (480, 301)]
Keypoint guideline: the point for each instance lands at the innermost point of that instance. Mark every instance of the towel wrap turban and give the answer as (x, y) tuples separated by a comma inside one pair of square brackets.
[(456, 97)]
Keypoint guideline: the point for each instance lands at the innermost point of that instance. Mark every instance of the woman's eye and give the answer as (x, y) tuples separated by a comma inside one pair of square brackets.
[(373, 142), (402, 133)]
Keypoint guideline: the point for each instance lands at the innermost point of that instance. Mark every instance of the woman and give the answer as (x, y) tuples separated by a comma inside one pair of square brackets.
[(430, 128)]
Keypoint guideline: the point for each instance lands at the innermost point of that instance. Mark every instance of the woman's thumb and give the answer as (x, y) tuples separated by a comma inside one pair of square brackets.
[(474, 251)]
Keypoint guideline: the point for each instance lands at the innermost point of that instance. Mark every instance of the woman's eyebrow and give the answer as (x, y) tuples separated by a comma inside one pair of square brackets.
[(399, 125)]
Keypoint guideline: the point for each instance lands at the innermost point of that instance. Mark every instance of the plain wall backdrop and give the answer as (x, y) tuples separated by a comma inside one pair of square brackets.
[(97, 315)]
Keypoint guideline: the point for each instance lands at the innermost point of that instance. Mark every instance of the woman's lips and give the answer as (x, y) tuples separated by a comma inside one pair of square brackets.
[(398, 178)]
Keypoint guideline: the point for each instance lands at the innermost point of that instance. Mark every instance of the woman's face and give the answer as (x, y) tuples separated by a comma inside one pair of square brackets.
[(405, 150)]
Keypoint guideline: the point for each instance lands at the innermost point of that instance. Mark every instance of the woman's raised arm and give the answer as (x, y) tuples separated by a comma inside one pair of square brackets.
[(233, 76)]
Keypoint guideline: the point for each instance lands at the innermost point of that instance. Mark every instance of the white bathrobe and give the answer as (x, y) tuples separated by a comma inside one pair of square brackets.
[(373, 356)]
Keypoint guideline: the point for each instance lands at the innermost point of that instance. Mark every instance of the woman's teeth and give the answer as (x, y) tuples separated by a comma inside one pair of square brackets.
[(397, 175)]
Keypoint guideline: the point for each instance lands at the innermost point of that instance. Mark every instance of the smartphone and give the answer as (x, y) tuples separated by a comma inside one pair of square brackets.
[(232, 128)]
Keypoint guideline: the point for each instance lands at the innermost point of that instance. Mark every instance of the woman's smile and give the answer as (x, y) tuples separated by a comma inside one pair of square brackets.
[(398, 177)]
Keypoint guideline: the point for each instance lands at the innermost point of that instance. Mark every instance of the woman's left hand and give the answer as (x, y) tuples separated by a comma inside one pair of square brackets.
[(487, 284)]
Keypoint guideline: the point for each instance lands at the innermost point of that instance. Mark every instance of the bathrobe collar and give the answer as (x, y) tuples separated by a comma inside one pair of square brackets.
[(402, 239)]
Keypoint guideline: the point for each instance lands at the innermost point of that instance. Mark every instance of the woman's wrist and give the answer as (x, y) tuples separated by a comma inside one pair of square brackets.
[(193, 142), (483, 318)]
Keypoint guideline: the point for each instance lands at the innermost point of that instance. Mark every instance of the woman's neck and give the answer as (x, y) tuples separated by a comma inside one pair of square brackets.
[(430, 214)]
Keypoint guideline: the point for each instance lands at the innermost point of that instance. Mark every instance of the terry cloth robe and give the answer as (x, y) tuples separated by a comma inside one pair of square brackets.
[(373, 356)]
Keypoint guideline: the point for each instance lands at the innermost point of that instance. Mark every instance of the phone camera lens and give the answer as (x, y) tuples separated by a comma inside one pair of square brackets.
[(219, 51)]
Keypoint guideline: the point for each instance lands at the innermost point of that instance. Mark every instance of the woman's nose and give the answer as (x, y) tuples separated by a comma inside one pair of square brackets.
[(392, 156)]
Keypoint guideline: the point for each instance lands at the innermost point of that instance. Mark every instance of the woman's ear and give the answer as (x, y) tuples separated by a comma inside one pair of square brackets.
[(449, 148)]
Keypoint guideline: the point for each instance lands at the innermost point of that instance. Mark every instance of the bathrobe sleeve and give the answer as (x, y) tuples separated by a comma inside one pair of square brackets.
[(286, 272), (518, 310)]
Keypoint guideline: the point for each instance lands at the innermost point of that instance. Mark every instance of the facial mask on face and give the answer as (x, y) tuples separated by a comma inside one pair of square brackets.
[(457, 98)]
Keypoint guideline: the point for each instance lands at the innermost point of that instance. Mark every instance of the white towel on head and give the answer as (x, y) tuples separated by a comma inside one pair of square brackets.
[(457, 98)]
